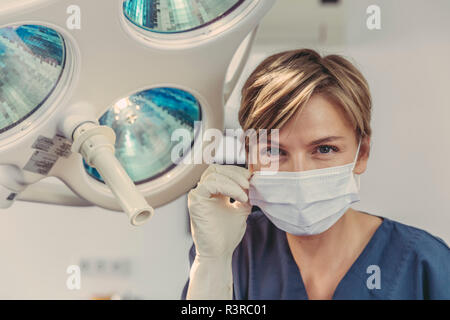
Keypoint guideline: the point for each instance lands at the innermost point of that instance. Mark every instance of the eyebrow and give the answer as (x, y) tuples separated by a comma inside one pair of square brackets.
[(315, 142), (324, 140)]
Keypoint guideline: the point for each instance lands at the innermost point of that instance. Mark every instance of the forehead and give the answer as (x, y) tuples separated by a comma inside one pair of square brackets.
[(320, 117)]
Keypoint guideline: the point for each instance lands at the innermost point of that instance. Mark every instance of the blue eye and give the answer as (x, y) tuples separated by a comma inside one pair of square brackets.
[(324, 149)]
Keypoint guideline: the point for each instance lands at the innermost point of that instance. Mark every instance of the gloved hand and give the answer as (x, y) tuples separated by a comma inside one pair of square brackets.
[(217, 227)]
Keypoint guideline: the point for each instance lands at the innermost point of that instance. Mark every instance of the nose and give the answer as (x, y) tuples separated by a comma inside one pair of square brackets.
[(298, 162)]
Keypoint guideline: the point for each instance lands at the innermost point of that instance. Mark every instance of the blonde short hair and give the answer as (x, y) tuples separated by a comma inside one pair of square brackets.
[(283, 83)]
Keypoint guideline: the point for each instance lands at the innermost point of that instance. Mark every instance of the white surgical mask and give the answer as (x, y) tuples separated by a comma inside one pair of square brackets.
[(305, 202)]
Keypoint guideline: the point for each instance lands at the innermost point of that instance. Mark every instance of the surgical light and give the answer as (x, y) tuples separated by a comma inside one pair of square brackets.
[(172, 16), (143, 124), (31, 63)]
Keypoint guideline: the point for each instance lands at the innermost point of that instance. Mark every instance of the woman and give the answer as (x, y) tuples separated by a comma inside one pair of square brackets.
[(292, 234)]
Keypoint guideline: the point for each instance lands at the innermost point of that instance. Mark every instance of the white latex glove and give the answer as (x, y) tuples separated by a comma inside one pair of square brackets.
[(217, 227)]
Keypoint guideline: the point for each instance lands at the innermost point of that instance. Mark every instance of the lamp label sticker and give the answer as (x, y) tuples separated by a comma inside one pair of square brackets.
[(59, 145), (47, 153), (41, 162)]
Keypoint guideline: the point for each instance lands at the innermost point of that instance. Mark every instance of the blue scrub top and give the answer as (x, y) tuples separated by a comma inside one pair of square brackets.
[(413, 264)]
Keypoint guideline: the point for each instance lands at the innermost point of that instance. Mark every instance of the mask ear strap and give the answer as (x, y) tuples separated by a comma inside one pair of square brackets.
[(357, 176), (357, 153), (358, 180)]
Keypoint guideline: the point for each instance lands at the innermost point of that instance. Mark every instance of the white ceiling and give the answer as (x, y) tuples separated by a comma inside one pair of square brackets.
[(303, 21)]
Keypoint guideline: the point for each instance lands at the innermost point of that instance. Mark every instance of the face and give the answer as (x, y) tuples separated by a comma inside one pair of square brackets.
[(320, 136)]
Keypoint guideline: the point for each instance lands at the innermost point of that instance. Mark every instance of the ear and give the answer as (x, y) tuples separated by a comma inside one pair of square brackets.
[(363, 157)]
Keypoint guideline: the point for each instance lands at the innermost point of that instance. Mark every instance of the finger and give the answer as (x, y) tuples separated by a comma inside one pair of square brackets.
[(238, 174), (217, 184), (207, 172), (245, 208), (226, 186)]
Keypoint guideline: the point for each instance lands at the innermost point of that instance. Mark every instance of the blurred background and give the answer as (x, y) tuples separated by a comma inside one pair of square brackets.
[(407, 65)]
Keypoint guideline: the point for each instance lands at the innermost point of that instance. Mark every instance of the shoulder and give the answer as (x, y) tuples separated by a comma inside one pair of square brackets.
[(422, 264), (421, 242)]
